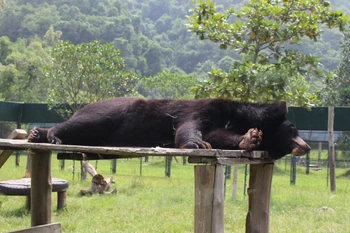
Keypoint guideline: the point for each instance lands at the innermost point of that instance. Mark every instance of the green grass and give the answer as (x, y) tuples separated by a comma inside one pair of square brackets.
[(153, 203)]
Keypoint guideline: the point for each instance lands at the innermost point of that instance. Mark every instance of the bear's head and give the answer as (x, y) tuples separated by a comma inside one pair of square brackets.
[(284, 139)]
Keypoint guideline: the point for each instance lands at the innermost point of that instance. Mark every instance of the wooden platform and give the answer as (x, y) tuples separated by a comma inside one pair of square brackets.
[(209, 180)]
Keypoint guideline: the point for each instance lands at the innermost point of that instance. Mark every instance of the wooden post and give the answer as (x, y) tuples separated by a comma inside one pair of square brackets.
[(41, 187), (331, 152), (209, 199), (259, 198)]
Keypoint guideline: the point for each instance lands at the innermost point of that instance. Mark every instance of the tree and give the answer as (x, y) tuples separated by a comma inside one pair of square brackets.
[(337, 86), (21, 70), (261, 32), (167, 85), (86, 73), (337, 92)]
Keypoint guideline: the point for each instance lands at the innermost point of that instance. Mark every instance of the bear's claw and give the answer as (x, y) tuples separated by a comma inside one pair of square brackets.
[(196, 145), (34, 135), (251, 140)]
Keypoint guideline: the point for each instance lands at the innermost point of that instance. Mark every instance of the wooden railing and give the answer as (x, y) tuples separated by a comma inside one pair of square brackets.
[(209, 180)]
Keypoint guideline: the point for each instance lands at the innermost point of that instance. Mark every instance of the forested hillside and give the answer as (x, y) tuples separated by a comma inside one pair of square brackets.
[(151, 35)]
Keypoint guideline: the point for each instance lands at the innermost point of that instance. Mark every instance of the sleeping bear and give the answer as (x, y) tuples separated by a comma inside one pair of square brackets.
[(202, 124)]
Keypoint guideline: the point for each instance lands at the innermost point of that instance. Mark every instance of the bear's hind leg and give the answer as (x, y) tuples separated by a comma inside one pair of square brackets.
[(38, 135), (251, 140)]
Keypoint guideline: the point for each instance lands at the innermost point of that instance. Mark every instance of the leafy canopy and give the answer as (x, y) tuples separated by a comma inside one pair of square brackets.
[(262, 32), (86, 73), (337, 86), (167, 85)]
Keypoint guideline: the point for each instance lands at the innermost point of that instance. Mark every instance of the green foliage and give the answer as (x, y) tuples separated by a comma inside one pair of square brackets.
[(86, 73), (259, 31), (21, 70), (343, 144), (167, 85), (337, 86), (152, 36)]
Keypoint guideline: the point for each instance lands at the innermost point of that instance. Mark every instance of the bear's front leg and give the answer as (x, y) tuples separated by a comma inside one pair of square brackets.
[(188, 136), (38, 135)]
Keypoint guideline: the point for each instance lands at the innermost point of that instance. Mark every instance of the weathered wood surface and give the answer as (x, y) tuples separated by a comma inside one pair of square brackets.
[(331, 149), (259, 192), (16, 134), (209, 199), (41, 187), (7, 144), (52, 228)]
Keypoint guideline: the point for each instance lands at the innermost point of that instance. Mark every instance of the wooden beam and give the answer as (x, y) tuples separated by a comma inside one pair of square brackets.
[(209, 199), (16, 134), (41, 187), (128, 151), (259, 192), (52, 228)]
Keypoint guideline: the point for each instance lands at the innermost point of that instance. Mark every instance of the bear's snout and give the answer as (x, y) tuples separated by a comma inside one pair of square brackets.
[(300, 147)]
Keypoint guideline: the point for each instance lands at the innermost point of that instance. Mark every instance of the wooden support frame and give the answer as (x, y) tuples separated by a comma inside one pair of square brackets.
[(16, 134), (41, 187), (259, 191), (209, 180), (209, 199)]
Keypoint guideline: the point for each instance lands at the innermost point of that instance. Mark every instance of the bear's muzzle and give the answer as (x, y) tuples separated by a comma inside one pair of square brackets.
[(300, 146)]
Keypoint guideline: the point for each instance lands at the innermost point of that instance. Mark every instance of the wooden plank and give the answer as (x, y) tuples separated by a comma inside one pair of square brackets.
[(127, 151), (41, 187), (209, 199), (52, 228), (16, 134), (259, 192)]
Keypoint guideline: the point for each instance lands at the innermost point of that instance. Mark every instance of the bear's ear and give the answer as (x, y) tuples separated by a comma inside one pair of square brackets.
[(285, 107)]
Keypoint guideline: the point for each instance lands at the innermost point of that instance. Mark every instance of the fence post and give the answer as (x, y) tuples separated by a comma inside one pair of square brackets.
[(168, 165), (331, 152), (293, 169), (114, 166), (307, 163)]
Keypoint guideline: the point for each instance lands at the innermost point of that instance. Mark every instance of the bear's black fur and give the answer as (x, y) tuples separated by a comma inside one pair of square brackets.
[(204, 123)]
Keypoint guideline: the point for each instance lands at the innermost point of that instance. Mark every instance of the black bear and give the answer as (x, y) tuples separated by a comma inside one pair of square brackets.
[(203, 124)]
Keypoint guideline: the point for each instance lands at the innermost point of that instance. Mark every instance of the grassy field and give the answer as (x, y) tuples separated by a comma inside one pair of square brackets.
[(153, 203)]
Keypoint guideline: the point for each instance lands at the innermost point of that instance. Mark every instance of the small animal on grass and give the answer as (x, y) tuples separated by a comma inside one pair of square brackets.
[(195, 124)]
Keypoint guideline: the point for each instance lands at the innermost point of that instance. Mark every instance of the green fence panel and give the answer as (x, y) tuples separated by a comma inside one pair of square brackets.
[(28, 113), (39, 113), (10, 111), (317, 118)]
